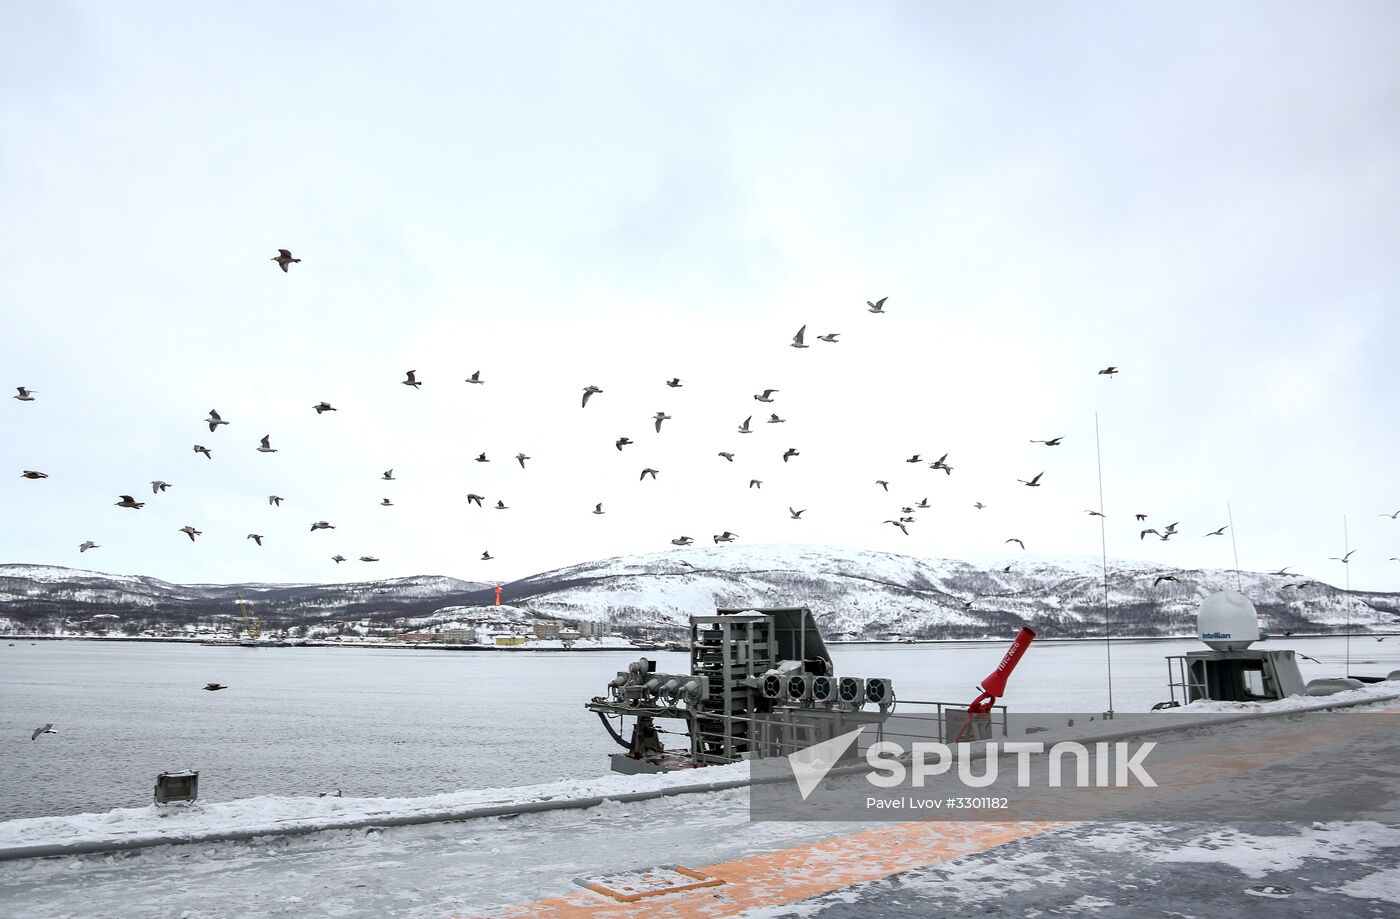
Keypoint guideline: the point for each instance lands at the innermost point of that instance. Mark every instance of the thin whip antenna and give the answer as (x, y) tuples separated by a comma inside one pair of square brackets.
[(1231, 514), (1103, 544), (1346, 550)]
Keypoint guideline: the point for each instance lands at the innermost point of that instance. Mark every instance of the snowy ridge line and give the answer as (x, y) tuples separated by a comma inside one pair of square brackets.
[(252, 818)]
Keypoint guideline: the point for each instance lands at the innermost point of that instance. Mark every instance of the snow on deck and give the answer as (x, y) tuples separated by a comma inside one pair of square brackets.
[(277, 814)]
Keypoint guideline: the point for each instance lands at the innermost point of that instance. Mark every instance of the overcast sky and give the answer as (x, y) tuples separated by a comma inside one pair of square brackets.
[(1204, 195)]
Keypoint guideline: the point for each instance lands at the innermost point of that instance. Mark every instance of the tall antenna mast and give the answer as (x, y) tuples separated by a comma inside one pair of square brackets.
[(1103, 544), (1233, 545), (1346, 550)]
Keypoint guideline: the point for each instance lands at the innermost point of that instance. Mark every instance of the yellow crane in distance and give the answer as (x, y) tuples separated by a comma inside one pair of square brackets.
[(250, 624)]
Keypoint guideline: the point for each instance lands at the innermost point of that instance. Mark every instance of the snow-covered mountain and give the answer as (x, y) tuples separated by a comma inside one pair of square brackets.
[(867, 593), (46, 593), (852, 591)]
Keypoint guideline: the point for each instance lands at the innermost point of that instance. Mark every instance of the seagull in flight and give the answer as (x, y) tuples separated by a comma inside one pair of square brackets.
[(274, 500), (744, 428), (588, 392), (1095, 514), (158, 486), (45, 729), (284, 258), (337, 559), (755, 483), (205, 450), (520, 458), (898, 523), (878, 306), (726, 455), (767, 395), (923, 503), (475, 499), (1016, 541), (1140, 517), (256, 537), (191, 532), (1163, 577), (321, 525), (774, 419), (648, 472), (89, 544), (267, 446), (214, 687), (25, 395), (726, 536), (368, 558), (388, 475), (1345, 559), (502, 506), (1282, 572), (1143, 534), (411, 379), (829, 337), (1033, 483), (979, 505), (1393, 516), (683, 541), (1108, 372), (797, 339), (791, 451), (386, 503), (797, 515), (214, 421), (487, 556), (1219, 532), (883, 484), (482, 458), (598, 508), (675, 383), (622, 442), (916, 458), (475, 377), (33, 474), (128, 501), (942, 463), (1052, 442), (660, 417), (323, 407)]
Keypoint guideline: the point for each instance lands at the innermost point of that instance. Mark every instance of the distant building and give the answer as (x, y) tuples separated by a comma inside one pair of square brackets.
[(547, 628), (419, 636), (590, 629), (459, 636)]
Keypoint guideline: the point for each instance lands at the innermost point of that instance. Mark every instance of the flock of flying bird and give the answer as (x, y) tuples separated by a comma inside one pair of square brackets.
[(902, 520)]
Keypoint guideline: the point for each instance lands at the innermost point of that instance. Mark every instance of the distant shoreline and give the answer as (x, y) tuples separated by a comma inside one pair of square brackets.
[(439, 646)]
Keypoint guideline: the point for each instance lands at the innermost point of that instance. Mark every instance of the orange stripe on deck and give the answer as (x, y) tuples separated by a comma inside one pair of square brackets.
[(788, 875)]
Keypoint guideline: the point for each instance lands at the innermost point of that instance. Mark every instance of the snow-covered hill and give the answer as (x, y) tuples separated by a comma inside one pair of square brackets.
[(855, 592), (867, 593)]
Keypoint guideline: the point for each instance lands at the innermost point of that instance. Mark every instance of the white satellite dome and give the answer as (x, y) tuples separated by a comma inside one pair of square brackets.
[(1227, 621)]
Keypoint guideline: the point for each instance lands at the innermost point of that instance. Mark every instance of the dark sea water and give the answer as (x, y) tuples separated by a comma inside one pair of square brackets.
[(299, 721)]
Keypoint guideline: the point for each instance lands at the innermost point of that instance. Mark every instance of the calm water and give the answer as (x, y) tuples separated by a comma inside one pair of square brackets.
[(300, 721)]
